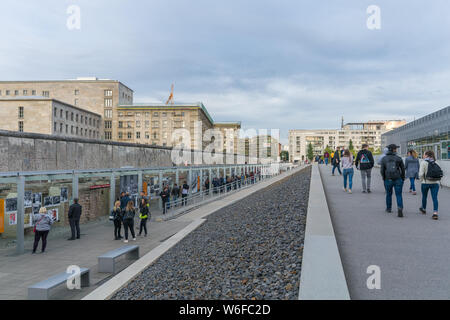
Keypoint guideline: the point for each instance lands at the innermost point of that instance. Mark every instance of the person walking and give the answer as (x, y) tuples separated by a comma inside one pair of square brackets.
[(326, 157), (165, 196), (74, 218), (42, 223), (144, 213), (347, 166), (175, 194), (393, 172), (430, 174), (128, 220), (364, 163), (336, 161), (117, 216), (412, 167), (385, 150), (184, 193)]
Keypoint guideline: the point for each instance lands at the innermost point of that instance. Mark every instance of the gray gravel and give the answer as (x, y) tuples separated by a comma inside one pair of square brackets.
[(249, 250)]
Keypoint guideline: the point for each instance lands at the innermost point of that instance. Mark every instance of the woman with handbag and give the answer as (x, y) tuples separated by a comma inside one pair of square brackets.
[(42, 223), (128, 220), (116, 216)]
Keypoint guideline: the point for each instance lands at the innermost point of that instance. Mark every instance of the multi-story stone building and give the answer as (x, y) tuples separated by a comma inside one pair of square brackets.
[(359, 133), (48, 116), (122, 120), (230, 133), (101, 96)]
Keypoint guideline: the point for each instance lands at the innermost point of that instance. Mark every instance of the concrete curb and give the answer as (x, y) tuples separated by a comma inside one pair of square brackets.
[(322, 276), (119, 281)]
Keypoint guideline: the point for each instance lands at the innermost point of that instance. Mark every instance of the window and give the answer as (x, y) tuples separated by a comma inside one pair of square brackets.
[(108, 114), (164, 135), (71, 129), (164, 123), (108, 124), (147, 135), (120, 135), (147, 114), (21, 112), (60, 127), (67, 115), (90, 133), (108, 102), (16, 92), (55, 128), (71, 116), (120, 114), (120, 124), (108, 93), (138, 114), (21, 126), (61, 113), (33, 92), (25, 92), (108, 135), (85, 132), (155, 124), (77, 92), (7, 92), (76, 102), (55, 113), (76, 118), (156, 114), (129, 124), (138, 124), (76, 130), (67, 128), (46, 93), (90, 122), (129, 135), (81, 119), (164, 114), (138, 135), (155, 135)]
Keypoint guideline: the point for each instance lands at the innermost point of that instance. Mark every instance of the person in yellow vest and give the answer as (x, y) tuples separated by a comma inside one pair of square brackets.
[(144, 213)]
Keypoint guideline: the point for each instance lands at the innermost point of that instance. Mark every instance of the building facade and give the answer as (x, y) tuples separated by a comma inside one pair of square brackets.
[(358, 133), (431, 132), (230, 133), (48, 116)]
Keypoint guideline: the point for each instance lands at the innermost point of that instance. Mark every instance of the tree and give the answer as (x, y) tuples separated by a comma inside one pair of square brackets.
[(284, 155), (310, 152), (350, 145)]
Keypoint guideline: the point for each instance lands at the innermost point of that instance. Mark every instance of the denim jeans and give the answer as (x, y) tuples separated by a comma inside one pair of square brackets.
[(397, 185), (348, 173), (336, 166), (413, 184), (366, 174), (434, 187), (326, 161)]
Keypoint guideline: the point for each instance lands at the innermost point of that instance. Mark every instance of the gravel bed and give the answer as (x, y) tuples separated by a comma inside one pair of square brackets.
[(248, 250)]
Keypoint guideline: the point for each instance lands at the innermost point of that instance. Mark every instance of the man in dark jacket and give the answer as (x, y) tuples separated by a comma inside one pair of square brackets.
[(365, 162), (74, 218), (336, 161), (124, 199), (393, 173), (165, 196)]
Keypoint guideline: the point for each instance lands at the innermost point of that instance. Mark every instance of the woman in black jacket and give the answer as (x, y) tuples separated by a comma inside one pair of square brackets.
[(144, 213), (128, 220), (117, 219)]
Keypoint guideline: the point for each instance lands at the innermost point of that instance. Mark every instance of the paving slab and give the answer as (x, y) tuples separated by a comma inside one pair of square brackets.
[(412, 252)]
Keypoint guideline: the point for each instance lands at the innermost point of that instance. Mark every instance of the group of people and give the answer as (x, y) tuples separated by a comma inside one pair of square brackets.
[(394, 171), (124, 213)]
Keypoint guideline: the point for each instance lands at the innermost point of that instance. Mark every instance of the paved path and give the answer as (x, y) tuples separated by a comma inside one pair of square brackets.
[(17, 272), (413, 252)]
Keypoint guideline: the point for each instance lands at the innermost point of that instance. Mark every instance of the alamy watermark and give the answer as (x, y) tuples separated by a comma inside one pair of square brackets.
[(374, 19), (74, 17), (374, 280), (74, 280)]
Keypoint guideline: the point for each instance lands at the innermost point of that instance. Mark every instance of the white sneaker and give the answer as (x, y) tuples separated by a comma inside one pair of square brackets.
[(134, 239), (345, 189), (126, 241), (350, 191)]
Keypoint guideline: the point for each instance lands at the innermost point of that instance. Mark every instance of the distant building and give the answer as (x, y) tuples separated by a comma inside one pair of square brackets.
[(431, 132), (48, 116), (229, 130), (359, 133)]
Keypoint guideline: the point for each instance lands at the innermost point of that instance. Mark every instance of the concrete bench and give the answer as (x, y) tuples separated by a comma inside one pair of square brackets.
[(107, 261), (41, 290)]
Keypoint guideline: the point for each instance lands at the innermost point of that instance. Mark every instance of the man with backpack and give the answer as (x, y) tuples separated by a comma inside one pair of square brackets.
[(335, 161), (393, 173), (364, 163), (430, 174)]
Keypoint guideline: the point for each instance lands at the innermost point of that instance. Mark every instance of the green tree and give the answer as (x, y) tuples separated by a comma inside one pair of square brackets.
[(350, 145), (310, 152), (284, 155)]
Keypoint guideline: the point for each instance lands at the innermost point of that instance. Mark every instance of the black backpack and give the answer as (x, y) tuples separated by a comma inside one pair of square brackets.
[(434, 172), (392, 170)]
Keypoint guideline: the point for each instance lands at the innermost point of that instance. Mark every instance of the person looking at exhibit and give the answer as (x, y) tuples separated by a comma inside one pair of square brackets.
[(42, 223)]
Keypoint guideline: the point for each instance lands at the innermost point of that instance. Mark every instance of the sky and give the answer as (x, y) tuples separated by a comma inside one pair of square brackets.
[(269, 64)]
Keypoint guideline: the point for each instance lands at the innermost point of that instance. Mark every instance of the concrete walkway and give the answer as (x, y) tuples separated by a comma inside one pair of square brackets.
[(17, 272), (412, 252)]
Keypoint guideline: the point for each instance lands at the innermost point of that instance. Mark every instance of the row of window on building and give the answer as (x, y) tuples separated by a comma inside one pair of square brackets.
[(24, 93), (74, 117), (74, 130), (147, 114)]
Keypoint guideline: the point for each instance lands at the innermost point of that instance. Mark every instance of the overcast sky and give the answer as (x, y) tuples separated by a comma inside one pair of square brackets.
[(270, 64)]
